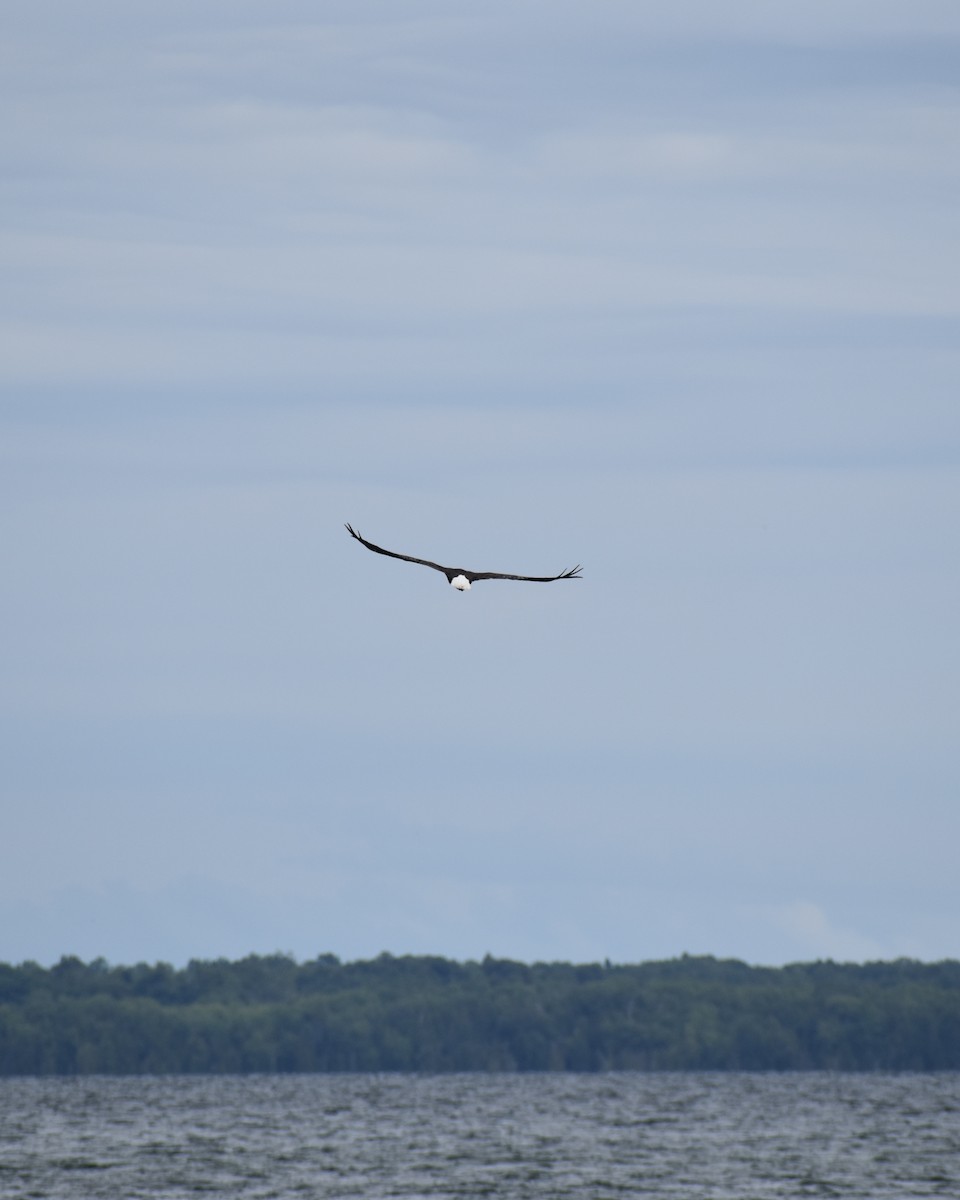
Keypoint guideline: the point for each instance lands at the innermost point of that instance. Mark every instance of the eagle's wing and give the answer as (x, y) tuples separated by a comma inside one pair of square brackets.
[(571, 573), (424, 562)]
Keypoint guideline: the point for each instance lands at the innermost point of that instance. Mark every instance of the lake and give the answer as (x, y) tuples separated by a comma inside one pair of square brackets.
[(713, 1136)]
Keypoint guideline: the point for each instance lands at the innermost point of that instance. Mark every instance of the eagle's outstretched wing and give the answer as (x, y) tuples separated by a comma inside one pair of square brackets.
[(424, 562), (571, 573)]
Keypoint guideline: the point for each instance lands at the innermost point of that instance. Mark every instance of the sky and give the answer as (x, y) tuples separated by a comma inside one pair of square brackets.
[(670, 289)]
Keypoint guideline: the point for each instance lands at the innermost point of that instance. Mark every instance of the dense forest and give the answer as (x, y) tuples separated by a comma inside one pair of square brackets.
[(271, 1013)]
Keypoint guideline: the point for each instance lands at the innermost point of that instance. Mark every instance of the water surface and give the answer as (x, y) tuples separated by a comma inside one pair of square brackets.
[(709, 1137)]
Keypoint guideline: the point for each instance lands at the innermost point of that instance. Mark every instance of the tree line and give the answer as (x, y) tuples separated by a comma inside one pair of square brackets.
[(430, 1014)]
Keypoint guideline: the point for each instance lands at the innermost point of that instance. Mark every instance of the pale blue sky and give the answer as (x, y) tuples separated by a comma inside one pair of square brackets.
[(667, 289)]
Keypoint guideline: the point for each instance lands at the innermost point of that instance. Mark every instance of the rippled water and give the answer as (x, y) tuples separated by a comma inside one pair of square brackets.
[(589, 1136)]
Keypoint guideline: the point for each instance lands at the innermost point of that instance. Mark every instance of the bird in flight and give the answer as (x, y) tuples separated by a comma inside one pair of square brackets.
[(460, 577)]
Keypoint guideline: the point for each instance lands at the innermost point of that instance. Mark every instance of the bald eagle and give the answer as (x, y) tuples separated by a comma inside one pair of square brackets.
[(460, 577)]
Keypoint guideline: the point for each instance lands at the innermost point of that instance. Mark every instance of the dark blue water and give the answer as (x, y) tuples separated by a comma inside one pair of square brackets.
[(585, 1136)]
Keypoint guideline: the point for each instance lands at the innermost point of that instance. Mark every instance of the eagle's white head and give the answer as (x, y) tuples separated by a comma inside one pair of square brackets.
[(461, 583)]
